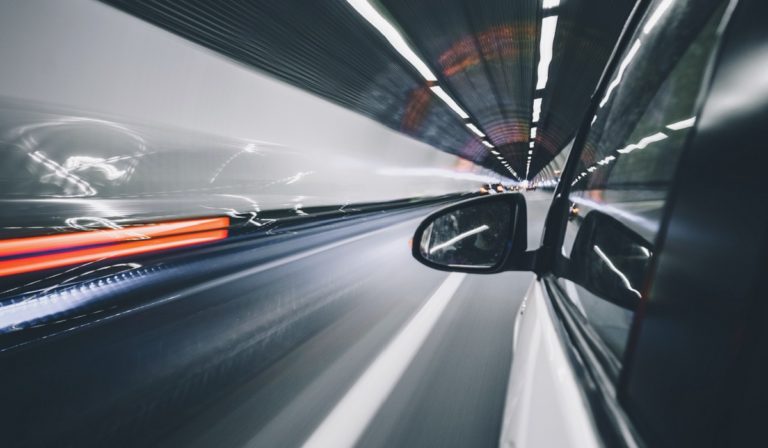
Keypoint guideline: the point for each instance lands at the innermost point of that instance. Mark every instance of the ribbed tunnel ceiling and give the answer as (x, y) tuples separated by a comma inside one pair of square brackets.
[(483, 53)]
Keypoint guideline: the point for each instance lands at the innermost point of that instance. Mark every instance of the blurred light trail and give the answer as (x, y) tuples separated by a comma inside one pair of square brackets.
[(33, 253), (458, 238), (623, 67), (684, 124), (660, 10)]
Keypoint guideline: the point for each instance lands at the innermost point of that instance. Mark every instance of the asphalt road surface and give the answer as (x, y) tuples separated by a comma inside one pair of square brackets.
[(334, 338)]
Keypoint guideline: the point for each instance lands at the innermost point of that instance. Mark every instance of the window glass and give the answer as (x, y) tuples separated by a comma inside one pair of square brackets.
[(629, 160)]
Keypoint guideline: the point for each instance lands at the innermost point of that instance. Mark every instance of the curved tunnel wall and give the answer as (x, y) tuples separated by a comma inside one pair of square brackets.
[(104, 115)]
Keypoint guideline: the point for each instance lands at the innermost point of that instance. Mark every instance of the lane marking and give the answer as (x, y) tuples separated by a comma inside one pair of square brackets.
[(344, 425)]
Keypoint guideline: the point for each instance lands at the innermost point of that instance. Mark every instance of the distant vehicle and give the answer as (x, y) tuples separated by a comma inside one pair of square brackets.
[(492, 189), (647, 323)]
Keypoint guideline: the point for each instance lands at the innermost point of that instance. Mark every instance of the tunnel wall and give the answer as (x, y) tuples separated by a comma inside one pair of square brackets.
[(104, 115)]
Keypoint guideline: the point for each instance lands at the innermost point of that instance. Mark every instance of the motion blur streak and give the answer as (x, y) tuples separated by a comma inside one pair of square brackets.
[(349, 419), (254, 340), (132, 241), (22, 246)]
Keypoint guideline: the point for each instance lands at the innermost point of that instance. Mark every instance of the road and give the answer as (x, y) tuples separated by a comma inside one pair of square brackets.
[(347, 340)]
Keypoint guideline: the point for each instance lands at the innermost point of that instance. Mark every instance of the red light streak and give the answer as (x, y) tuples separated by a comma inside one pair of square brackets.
[(119, 243)]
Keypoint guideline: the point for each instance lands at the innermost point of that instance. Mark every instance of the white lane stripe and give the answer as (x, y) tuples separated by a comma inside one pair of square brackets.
[(344, 425)]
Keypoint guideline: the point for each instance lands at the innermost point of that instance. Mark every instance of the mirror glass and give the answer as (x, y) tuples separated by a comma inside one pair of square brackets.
[(610, 260), (617, 265), (471, 236)]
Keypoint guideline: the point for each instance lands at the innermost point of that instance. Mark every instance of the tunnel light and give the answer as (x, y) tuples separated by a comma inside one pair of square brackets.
[(622, 67), (495, 152), (530, 152), (532, 144), (487, 144), (536, 109), (533, 132), (682, 124), (475, 129), (662, 8), (643, 143), (548, 4), (546, 43), (372, 15), (449, 101)]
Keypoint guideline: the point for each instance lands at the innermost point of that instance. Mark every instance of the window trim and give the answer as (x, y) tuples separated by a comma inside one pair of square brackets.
[(603, 386), (586, 354)]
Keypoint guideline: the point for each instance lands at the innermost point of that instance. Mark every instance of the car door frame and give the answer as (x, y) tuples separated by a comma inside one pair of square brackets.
[(600, 389)]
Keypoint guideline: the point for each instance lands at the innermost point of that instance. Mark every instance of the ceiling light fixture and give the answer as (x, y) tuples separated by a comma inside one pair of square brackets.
[(536, 109), (374, 17), (449, 101), (546, 43), (475, 129)]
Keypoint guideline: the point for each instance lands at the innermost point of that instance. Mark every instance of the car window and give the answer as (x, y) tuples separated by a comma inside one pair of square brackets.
[(627, 165)]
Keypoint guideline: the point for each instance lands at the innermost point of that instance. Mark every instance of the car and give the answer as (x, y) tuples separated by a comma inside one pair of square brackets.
[(491, 189), (646, 323)]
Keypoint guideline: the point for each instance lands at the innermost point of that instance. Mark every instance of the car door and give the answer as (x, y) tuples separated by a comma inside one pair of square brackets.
[(573, 329)]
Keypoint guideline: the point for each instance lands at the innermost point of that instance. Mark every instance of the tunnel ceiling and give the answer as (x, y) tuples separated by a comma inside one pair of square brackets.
[(484, 54)]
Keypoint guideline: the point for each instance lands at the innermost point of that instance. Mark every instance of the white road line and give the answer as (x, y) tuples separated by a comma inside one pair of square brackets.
[(344, 425)]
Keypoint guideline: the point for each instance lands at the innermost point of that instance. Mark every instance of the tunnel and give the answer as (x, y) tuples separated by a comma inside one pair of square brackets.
[(383, 223)]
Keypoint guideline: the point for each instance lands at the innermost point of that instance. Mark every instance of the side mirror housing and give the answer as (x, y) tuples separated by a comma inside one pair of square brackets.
[(481, 235)]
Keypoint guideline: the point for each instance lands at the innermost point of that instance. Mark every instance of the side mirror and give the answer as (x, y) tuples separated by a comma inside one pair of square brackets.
[(481, 235), (610, 260)]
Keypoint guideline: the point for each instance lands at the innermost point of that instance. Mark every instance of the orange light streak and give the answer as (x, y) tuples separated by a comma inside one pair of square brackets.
[(120, 243)]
